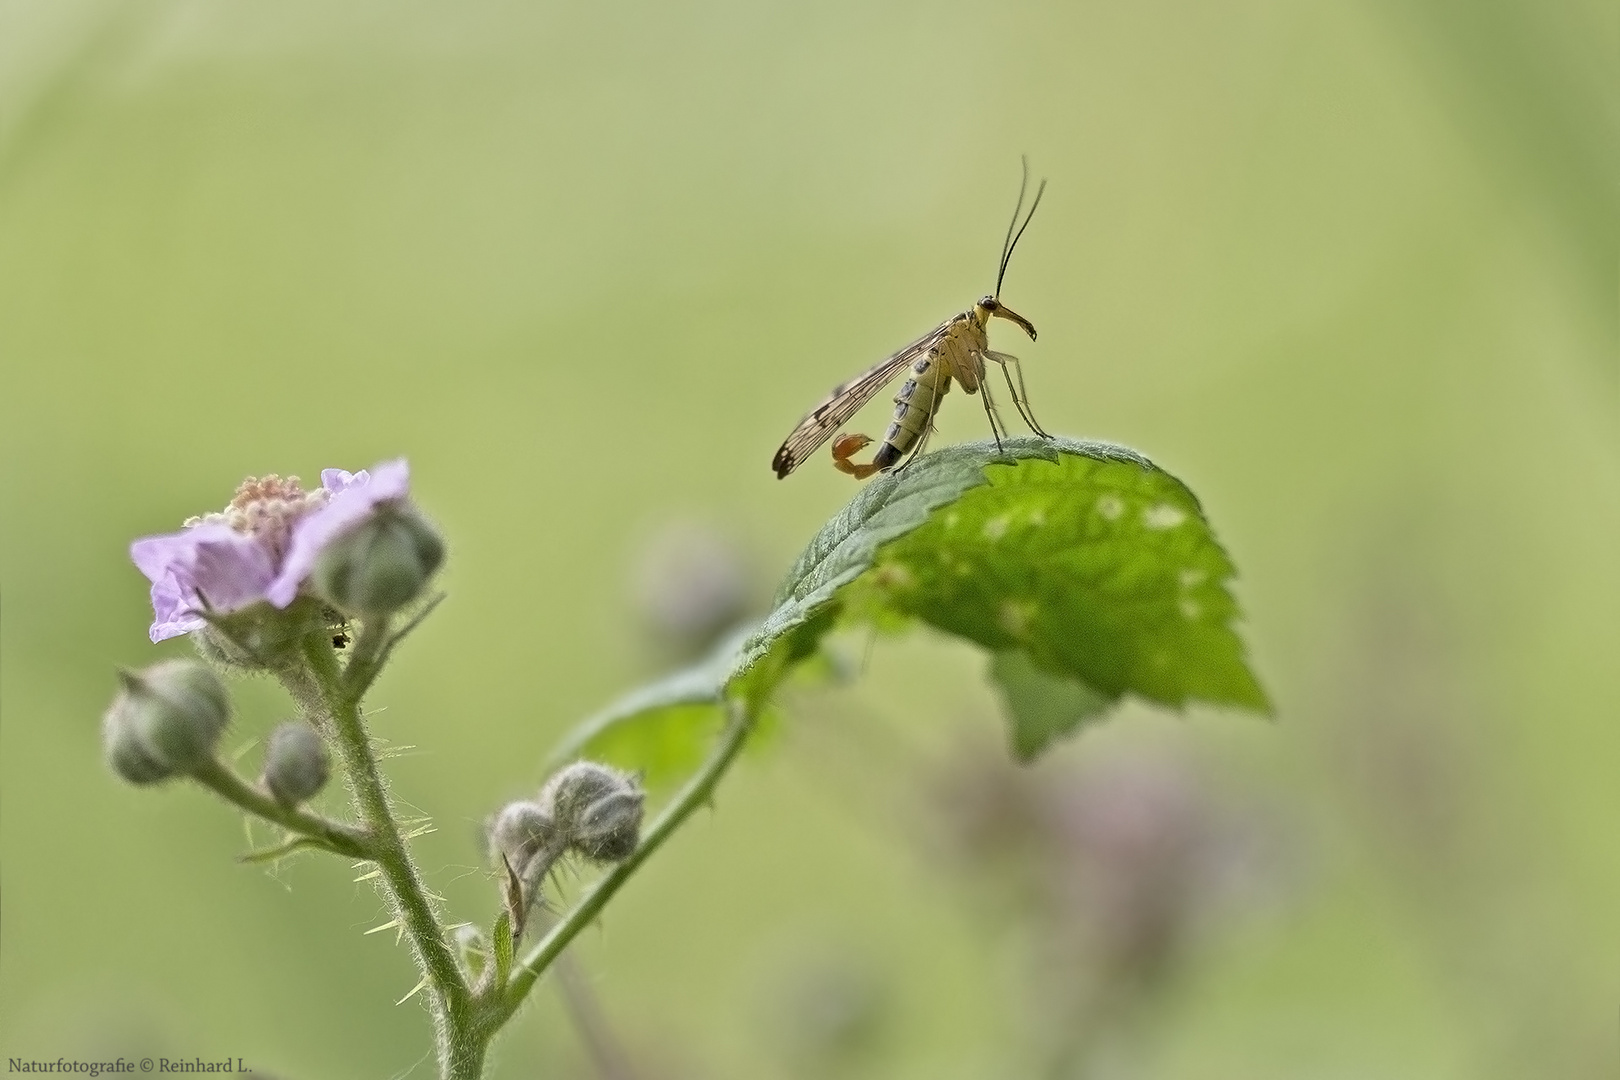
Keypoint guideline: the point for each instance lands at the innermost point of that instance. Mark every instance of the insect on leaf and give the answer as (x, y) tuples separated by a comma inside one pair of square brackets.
[(1087, 571)]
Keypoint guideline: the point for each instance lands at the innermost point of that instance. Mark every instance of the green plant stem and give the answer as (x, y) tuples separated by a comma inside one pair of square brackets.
[(365, 661), (334, 837), (697, 792), (460, 1033)]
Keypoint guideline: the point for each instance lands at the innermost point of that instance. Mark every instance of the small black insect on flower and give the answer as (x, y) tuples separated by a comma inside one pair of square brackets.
[(338, 627)]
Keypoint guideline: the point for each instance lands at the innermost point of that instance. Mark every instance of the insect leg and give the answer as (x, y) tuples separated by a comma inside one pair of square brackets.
[(996, 424), (1020, 395), (916, 451)]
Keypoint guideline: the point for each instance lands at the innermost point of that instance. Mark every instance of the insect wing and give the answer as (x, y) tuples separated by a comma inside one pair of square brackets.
[(845, 401)]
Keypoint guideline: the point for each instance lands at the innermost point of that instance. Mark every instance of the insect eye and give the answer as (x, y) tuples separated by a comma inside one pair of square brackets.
[(989, 303)]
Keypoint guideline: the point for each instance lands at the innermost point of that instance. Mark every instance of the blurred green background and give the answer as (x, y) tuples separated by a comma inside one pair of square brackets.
[(1348, 269)]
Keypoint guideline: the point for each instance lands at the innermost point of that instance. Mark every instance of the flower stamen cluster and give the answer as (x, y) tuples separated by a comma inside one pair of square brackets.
[(263, 548), (266, 508)]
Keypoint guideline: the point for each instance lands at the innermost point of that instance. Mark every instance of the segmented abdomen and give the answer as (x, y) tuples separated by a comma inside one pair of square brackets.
[(914, 408)]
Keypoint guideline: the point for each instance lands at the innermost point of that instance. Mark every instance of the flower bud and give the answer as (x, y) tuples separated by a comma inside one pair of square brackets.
[(519, 831), (381, 564), (166, 720), (574, 787), (128, 758), (597, 808), (295, 763), (610, 827)]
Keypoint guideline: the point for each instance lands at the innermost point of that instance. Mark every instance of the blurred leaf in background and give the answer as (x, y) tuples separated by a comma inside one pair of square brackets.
[(1102, 879)]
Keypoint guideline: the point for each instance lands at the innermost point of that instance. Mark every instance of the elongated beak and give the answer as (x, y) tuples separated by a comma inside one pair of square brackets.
[(1005, 312)]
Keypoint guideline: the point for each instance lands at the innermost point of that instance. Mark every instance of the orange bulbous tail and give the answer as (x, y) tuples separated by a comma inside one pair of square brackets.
[(847, 446)]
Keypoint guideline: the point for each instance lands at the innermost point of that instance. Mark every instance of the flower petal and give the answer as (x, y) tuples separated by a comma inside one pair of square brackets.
[(350, 504), (205, 568), (230, 570), (154, 555), (335, 480), (170, 608)]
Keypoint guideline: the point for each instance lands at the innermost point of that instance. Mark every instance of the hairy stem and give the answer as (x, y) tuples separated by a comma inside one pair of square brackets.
[(334, 837), (460, 1036), (365, 661), (697, 792)]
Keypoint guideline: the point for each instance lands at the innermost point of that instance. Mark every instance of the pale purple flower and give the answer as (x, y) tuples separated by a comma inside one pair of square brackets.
[(208, 567), (260, 547), (335, 480), (351, 502)]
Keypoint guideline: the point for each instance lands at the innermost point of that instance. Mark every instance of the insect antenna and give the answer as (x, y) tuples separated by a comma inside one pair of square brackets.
[(1023, 185), (1013, 238)]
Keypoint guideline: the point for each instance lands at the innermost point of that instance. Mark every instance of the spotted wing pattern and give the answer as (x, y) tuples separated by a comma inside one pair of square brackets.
[(846, 400)]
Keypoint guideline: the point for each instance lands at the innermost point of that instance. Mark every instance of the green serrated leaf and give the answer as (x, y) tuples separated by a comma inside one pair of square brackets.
[(662, 729), (1096, 563), (659, 728), (1084, 557), (888, 507), (1042, 708), (662, 744)]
